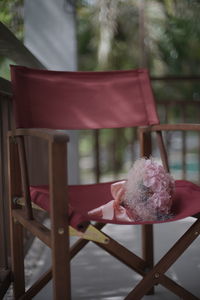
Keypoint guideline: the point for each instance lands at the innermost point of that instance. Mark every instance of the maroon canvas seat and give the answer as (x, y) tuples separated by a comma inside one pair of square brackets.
[(80, 202), (45, 101)]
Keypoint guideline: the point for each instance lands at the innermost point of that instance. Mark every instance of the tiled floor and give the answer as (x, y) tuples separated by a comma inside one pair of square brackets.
[(98, 276)]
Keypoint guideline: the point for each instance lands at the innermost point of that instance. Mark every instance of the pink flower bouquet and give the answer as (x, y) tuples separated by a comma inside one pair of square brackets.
[(146, 195), (148, 191)]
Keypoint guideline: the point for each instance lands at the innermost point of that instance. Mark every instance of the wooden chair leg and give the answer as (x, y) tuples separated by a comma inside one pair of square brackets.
[(156, 275), (17, 253), (61, 266), (59, 221), (148, 249)]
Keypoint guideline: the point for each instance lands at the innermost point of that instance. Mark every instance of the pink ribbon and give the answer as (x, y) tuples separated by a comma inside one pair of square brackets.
[(113, 209)]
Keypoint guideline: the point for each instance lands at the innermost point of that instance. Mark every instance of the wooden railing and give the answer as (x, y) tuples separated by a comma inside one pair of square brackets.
[(182, 144)]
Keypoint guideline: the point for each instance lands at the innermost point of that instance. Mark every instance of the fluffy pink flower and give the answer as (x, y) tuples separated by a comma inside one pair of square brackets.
[(149, 190)]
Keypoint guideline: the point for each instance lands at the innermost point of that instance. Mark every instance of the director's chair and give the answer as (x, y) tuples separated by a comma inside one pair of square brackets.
[(45, 101)]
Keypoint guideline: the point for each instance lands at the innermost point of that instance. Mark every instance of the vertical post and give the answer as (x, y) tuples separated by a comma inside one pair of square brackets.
[(96, 157), (184, 135), (16, 229), (5, 278), (3, 246), (199, 152), (162, 149), (59, 220), (24, 177)]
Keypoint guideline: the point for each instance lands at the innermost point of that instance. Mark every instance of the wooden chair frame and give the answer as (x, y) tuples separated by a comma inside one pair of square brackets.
[(58, 237)]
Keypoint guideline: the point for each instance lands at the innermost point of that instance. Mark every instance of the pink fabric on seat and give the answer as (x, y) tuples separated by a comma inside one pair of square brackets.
[(78, 100), (87, 197)]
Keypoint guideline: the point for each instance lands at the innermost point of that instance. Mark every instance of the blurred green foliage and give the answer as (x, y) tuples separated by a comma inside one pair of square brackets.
[(175, 35), (11, 15), (171, 40), (124, 44), (174, 41), (172, 35)]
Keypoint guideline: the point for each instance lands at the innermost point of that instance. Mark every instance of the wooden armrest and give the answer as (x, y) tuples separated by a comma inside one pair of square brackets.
[(172, 127), (145, 131), (48, 134)]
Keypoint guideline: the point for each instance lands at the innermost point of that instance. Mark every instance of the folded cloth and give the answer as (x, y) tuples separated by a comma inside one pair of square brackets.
[(113, 209)]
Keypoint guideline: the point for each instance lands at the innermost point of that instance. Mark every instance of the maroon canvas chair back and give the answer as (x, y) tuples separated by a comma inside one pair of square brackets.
[(82, 100)]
